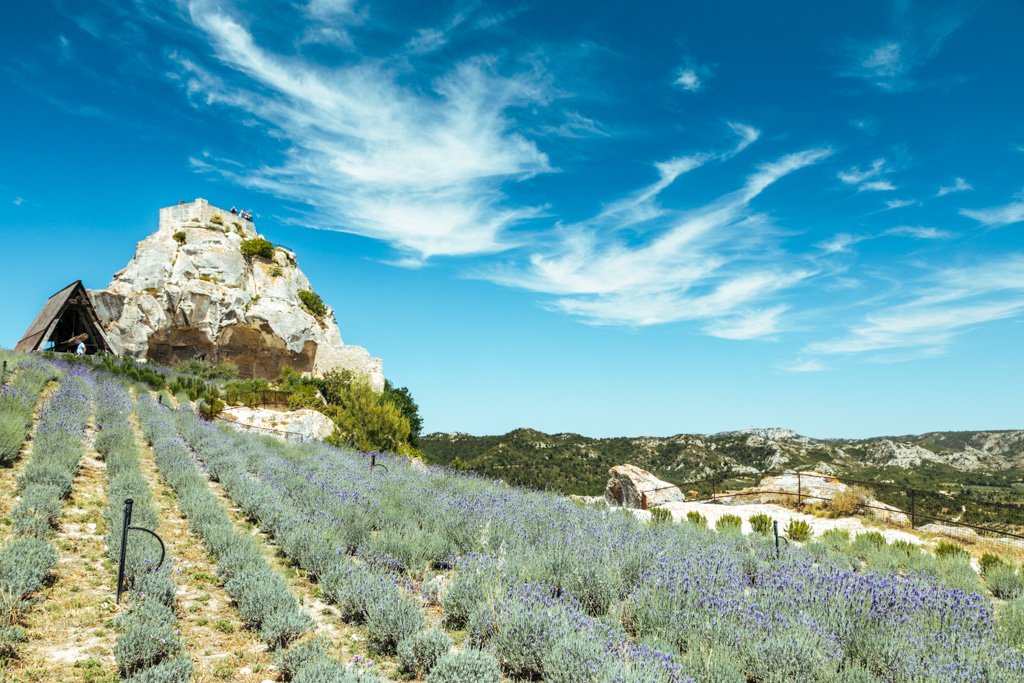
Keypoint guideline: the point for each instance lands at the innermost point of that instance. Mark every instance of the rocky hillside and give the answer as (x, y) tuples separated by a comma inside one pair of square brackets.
[(577, 464), (206, 284)]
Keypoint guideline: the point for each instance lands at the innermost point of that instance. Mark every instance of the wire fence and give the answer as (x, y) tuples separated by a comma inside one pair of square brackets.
[(288, 436), (920, 506)]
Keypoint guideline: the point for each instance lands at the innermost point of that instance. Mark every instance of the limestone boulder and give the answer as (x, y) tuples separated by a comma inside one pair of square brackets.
[(189, 292), (631, 487), (304, 423)]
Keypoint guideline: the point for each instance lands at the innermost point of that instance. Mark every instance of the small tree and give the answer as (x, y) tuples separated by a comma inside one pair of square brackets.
[(313, 303), (257, 246), (402, 399), (368, 423)]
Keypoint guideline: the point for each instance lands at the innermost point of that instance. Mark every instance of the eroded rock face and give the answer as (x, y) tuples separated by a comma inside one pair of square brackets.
[(307, 423), (189, 292), (631, 487)]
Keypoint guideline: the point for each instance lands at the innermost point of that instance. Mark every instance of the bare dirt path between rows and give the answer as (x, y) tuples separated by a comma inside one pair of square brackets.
[(220, 647)]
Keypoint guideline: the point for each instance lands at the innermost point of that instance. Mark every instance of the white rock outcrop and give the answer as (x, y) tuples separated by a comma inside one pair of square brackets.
[(304, 422), (631, 487), (189, 292)]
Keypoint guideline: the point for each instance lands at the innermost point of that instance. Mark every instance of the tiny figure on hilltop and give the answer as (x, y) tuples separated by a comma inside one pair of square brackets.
[(233, 211)]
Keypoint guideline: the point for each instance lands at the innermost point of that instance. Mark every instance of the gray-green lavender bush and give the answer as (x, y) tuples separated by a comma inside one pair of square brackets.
[(470, 666), (420, 652), (1004, 582)]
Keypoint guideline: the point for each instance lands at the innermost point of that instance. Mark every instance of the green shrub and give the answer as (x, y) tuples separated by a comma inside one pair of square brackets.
[(390, 620), (420, 652), (798, 530), (727, 523), (207, 370), (572, 660), (37, 512), (1010, 623), (176, 670), (325, 670), (949, 549), (367, 423), (276, 271), (469, 588), (847, 502), (282, 626), (24, 565), (989, 561), (713, 665), (264, 601), (216, 219), (905, 547), (290, 660), (660, 516), (761, 523), (210, 408), (470, 666), (1004, 581), (149, 636), (313, 303), (257, 247), (697, 519), (868, 541), (836, 538), (180, 237)]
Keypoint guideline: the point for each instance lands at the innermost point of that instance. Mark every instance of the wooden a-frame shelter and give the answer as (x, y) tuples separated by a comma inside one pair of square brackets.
[(64, 319)]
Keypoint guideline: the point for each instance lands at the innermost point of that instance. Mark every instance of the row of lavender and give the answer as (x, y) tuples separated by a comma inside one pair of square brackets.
[(29, 557), (264, 600), (560, 592), (19, 395), (149, 647)]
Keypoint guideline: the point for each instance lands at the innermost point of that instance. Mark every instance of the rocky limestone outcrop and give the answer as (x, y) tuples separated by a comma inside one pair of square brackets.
[(811, 487), (305, 423), (631, 487), (189, 292)]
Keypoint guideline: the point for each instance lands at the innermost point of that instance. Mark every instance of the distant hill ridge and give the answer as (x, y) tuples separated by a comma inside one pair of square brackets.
[(577, 464)]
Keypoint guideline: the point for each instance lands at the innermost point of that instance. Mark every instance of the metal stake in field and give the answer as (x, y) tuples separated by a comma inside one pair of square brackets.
[(125, 528)]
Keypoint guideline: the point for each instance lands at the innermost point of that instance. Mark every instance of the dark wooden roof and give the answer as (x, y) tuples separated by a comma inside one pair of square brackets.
[(72, 296)]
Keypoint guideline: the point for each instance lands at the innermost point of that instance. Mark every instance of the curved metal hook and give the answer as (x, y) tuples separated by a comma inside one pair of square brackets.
[(158, 540)]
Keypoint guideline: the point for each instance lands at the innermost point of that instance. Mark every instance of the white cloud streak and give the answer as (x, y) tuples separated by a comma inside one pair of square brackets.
[(690, 265), (688, 80), (959, 185), (900, 203), (951, 301), (997, 217), (418, 170), (876, 186)]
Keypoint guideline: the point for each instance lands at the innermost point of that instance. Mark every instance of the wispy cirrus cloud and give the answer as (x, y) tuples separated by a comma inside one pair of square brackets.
[(917, 34), (692, 77), (948, 302), (868, 179), (843, 241), (997, 216), (900, 203), (699, 264), (959, 185), (418, 170), (876, 186)]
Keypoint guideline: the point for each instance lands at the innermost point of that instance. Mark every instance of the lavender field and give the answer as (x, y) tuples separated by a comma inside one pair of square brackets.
[(449, 578)]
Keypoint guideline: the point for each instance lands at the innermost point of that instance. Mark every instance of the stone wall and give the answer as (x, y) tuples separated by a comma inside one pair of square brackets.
[(199, 213)]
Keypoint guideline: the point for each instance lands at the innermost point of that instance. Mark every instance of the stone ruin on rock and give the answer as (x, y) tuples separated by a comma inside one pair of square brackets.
[(189, 292)]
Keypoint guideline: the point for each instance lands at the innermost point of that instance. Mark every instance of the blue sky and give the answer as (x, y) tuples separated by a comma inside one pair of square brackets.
[(633, 219)]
